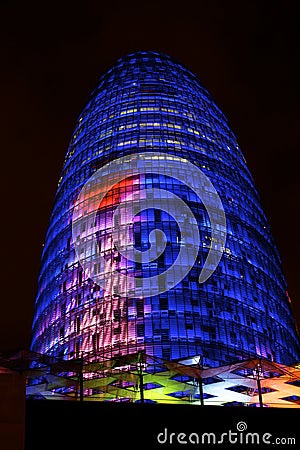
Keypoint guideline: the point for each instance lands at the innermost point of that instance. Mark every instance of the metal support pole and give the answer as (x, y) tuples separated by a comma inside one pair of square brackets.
[(201, 391), (257, 372), (141, 386), (259, 392), (81, 381), (200, 381), (141, 378)]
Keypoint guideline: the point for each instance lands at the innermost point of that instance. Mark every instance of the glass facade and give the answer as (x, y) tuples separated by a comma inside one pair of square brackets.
[(147, 102)]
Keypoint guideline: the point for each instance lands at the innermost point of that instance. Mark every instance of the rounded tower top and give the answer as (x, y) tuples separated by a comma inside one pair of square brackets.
[(148, 103)]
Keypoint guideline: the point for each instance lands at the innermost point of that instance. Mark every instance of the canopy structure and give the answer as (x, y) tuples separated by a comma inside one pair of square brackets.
[(139, 377)]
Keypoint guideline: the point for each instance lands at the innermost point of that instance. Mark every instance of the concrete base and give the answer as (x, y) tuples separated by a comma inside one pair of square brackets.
[(65, 425), (12, 410)]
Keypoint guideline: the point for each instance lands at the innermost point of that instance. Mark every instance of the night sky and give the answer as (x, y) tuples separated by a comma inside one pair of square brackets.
[(52, 53)]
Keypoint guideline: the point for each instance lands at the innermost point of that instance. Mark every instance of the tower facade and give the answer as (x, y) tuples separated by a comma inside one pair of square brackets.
[(147, 102)]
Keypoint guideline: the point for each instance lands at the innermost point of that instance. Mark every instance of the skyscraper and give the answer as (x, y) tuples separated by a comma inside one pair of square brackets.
[(149, 103)]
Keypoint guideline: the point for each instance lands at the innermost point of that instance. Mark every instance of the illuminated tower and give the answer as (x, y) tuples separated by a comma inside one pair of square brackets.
[(147, 102)]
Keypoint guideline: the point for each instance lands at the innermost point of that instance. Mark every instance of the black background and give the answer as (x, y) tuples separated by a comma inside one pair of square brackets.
[(137, 426), (52, 53)]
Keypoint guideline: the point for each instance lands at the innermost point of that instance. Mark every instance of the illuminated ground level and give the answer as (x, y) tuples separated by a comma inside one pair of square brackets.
[(140, 378)]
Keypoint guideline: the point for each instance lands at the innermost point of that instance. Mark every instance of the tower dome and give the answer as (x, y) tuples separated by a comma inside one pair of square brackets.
[(149, 103)]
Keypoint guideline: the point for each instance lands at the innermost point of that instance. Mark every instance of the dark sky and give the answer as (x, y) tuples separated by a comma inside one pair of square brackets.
[(52, 53)]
